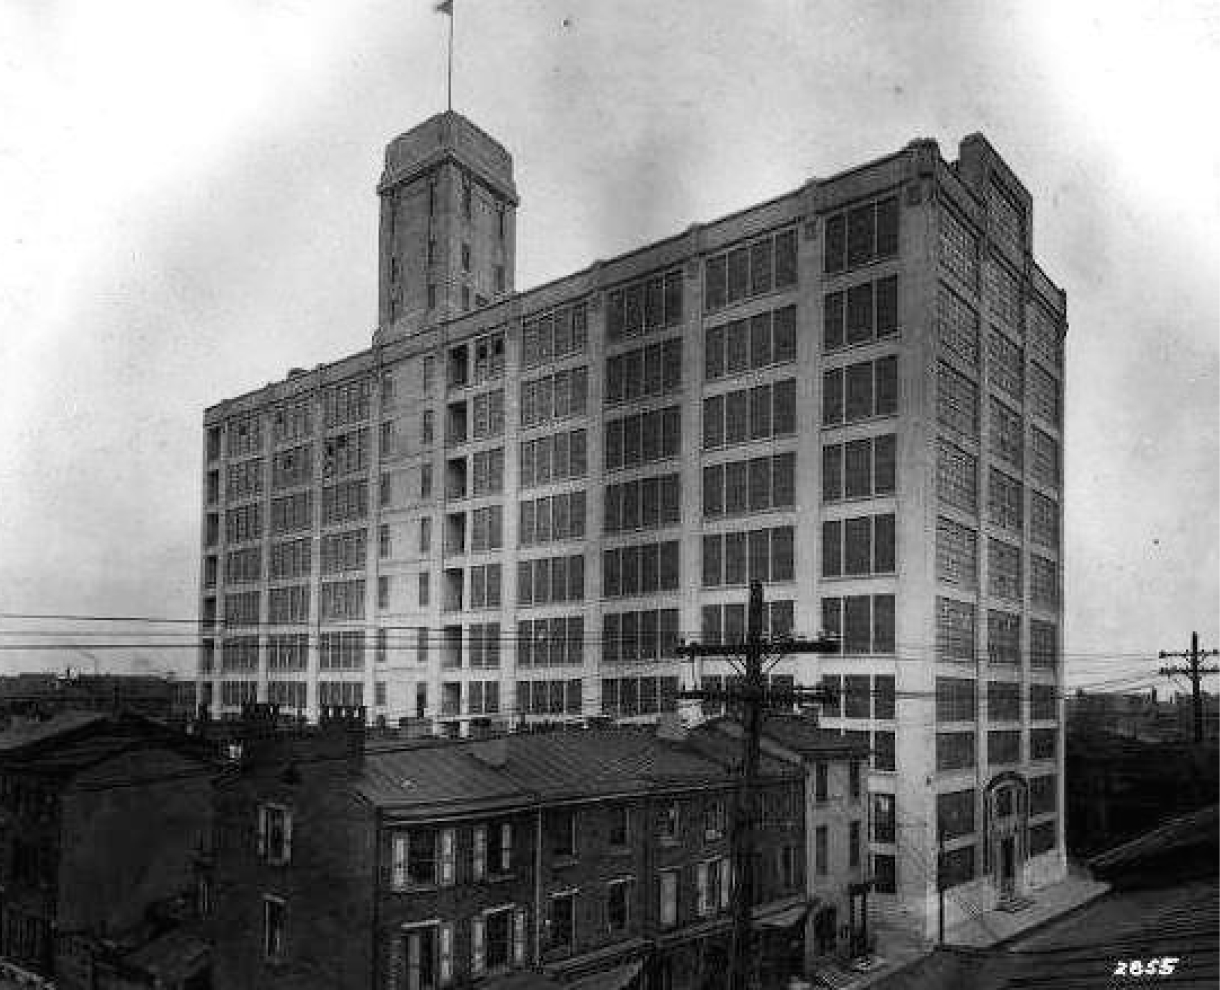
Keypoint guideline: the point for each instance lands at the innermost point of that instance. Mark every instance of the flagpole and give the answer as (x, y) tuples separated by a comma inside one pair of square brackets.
[(449, 88)]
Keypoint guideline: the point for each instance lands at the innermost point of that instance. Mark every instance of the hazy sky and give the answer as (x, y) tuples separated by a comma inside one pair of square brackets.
[(187, 209)]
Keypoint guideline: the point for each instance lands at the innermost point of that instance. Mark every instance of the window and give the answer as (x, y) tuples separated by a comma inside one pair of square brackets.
[(344, 551), (1043, 520), (345, 453), (643, 438), (858, 546), (425, 481), (863, 234), (423, 590), (957, 326), (714, 819), (727, 623), (488, 470), (618, 824), (954, 750), (1043, 794), (647, 371), (955, 699), (428, 954), (821, 853), (1043, 744), (618, 904), (638, 637), (749, 270), (957, 402), (244, 524), (885, 877), (956, 554), (853, 845), (242, 609), (493, 850), (1006, 365), (862, 623), (239, 653), (955, 627), (667, 822), (347, 501), (1005, 501), (1007, 433), (757, 413), (244, 436), (644, 307), (667, 897), (557, 697), (1004, 570), (860, 314), (644, 503), (554, 397), (860, 391), (1003, 637), (759, 484), (1043, 582), (244, 566), (883, 818), (1043, 702), (485, 586), (289, 604), (346, 403), (341, 650), (1043, 644), (561, 829), (292, 467), (763, 340), (821, 782), (955, 815), (1003, 292), (551, 579), (1044, 458), (497, 939), (487, 414), (343, 600), (553, 518), (561, 930), (757, 555), (484, 641), (554, 335), (854, 765), (640, 570), (555, 642), (859, 468), (628, 697), (465, 257), (1003, 701), (274, 834), (275, 918), (554, 457), (1003, 747)]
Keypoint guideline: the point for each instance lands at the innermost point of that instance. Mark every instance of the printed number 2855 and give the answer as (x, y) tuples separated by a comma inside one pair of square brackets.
[(1153, 967)]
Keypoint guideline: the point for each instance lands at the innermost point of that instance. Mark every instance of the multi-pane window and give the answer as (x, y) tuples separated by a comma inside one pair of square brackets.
[(655, 369), (1042, 838), (1043, 794), (290, 695), (1045, 340), (483, 639), (860, 314), (646, 437), (954, 630), (883, 818), (292, 421), (1005, 501), (344, 551), (345, 502), (1044, 394), (1003, 294), (618, 904), (239, 653), (235, 694), (341, 650), (862, 234), (1003, 746), (241, 609), (755, 485), (885, 873), (553, 518), (1007, 433), (627, 697), (955, 699), (487, 468), (643, 503), (292, 467), (555, 457), (727, 623), (1043, 520), (631, 637), (954, 750), (1007, 218), (560, 697), (288, 604), (1043, 744), (287, 651), (858, 546), (485, 581), (553, 397), (554, 335), (1003, 701), (760, 341), (487, 528), (487, 414), (956, 477), (749, 270), (957, 326), (1043, 644), (1003, 637), (244, 566), (862, 623), (1043, 582), (767, 410), (640, 570), (859, 468), (489, 357), (292, 513), (244, 523), (1043, 702), (557, 642), (551, 580), (957, 402), (343, 599), (1006, 364), (244, 435), (860, 391), (345, 453), (346, 403), (644, 307), (1044, 458), (955, 814), (1003, 570), (959, 253), (756, 555), (244, 479)]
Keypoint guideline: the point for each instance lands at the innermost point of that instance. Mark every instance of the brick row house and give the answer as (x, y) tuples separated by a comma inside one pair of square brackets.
[(599, 854)]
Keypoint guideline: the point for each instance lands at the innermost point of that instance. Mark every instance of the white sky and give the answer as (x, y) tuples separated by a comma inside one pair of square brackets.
[(187, 209)]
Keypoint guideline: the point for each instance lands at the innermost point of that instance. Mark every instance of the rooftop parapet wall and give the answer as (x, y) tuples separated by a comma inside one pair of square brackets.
[(448, 135)]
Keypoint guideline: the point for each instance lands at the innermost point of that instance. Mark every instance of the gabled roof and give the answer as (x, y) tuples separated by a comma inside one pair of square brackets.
[(799, 734), (62, 724), (1196, 828)]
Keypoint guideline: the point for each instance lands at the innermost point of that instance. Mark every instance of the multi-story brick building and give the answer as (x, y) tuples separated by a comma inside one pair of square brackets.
[(103, 819), (407, 865), (515, 504)]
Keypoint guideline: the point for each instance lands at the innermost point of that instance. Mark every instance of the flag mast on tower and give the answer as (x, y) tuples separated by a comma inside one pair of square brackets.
[(446, 7)]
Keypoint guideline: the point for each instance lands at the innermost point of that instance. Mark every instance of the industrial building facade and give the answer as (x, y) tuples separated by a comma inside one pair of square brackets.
[(514, 505)]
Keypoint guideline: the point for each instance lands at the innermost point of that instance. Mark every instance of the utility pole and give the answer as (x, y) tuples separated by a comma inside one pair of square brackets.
[(1195, 672), (940, 885), (754, 698)]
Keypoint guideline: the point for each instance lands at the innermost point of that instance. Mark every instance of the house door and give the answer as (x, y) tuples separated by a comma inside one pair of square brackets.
[(1008, 866)]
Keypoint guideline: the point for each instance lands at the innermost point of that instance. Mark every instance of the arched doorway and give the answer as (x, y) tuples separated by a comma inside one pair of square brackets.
[(1005, 829)]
